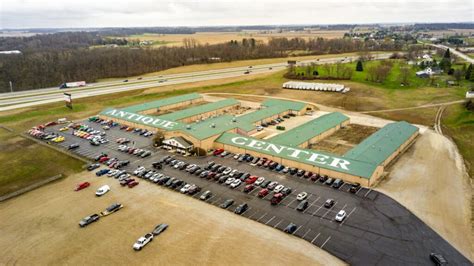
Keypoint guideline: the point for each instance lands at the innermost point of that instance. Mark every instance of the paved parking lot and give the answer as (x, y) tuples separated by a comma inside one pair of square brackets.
[(377, 229)]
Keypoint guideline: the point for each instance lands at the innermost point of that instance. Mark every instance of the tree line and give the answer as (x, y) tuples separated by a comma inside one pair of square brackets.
[(47, 61)]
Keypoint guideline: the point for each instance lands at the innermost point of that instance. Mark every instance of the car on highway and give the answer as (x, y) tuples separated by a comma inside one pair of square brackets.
[(290, 229), (226, 204), (111, 209), (206, 195), (241, 208), (102, 190), (302, 205), (329, 203), (159, 229), (438, 259), (82, 185), (88, 220), (142, 241), (301, 196), (340, 216)]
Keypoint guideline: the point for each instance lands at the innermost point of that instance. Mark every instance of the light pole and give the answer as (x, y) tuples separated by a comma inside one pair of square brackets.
[(11, 86)]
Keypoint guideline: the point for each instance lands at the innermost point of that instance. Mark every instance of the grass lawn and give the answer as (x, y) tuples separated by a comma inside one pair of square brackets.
[(24, 162)]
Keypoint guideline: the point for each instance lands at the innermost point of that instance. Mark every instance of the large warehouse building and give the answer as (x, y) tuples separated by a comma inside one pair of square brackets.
[(208, 126)]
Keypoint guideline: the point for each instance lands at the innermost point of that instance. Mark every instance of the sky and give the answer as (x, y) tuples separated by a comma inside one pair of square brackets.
[(132, 13)]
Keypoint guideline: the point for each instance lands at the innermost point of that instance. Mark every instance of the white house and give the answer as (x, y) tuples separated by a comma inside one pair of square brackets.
[(469, 94)]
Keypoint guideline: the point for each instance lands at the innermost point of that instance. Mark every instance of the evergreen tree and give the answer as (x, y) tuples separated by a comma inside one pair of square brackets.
[(359, 66), (468, 72), (471, 78), (447, 54)]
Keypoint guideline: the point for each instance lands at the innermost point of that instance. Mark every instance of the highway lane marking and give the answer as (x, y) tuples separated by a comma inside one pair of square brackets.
[(312, 241), (262, 217), (309, 230), (270, 220), (278, 223), (325, 242)]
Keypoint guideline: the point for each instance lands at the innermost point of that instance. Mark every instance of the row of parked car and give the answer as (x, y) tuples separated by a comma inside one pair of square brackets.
[(95, 217), (156, 177), (138, 131), (277, 167), (134, 151), (111, 162), (39, 134), (232, 178)]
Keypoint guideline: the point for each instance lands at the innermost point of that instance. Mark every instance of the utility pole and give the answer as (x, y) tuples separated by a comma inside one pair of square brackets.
[(11, 86)]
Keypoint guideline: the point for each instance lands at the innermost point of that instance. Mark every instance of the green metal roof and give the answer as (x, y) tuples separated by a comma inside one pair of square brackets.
[(308, 130), (162, 102), (201, 109), (204, 129), (147, 120), (383, 143), (287, 105), (311, 157)]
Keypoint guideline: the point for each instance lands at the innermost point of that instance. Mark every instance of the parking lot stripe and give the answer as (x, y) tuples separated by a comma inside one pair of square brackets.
[(370, 190), (209, 199), (325, 242), (314, 213), (261, 217), (309, 230), (348, 216), (311, 204), (329, 210), (278, 223), (360, 188), (246, 210), (312, 241), (290, 202), (297, 229), (270, 220)]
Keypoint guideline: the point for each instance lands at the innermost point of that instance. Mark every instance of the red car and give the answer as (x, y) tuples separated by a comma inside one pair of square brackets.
[(50, 124), (103, 159), (218, 151), (82, 186), (276, 198), (248, 188), (251, 179), (308, 174), (262, 193), (132, 184)]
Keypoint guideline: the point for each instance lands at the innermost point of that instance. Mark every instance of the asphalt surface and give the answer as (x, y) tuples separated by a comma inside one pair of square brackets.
[(377, 230), (15, 100)]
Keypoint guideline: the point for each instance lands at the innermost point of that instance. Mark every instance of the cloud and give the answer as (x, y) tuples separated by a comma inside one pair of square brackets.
[(113, 13)]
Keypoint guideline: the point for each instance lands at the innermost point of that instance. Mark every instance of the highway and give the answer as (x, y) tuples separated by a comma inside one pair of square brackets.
[(15, 100), (453, 51)]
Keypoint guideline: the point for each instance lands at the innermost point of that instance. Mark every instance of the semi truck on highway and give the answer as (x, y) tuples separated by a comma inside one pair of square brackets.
[(72, 84)]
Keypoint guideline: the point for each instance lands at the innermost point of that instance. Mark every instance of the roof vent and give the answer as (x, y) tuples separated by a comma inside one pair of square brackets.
[(188, 127), (213, 125), (234, 119)]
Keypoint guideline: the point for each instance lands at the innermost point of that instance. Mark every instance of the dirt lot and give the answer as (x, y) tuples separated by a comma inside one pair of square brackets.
[(433, 171), (163, 112), (43, 226)]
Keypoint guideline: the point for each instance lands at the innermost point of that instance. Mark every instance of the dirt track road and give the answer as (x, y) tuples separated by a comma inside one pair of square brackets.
[(40, 228)]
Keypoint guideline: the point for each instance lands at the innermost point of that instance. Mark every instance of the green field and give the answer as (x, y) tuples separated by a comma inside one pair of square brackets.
[(393, 80), (23, 162)]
